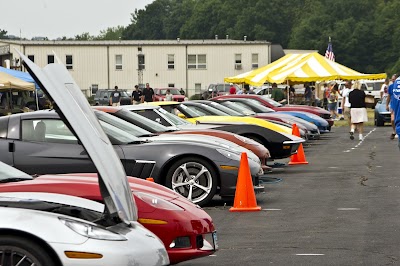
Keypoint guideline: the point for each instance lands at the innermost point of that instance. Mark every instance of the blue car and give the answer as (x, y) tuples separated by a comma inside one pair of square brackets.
[(382, 115), (321, 123)]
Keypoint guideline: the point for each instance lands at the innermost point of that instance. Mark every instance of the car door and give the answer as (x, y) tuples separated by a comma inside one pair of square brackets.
[(5, 155), (47, 146)]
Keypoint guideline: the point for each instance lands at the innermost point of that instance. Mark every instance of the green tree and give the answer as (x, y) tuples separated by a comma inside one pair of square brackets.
[(84, 37), (111, 33), (3, 34)]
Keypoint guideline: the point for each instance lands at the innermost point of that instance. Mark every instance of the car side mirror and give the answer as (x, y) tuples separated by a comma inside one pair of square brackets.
[(181, 115)]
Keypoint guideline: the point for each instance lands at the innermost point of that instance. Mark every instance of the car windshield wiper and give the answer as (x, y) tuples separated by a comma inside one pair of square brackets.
[(137, 142), (14, 179), (146, 135)]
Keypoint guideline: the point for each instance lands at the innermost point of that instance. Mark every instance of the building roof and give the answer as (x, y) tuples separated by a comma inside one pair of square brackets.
[(134, 42)]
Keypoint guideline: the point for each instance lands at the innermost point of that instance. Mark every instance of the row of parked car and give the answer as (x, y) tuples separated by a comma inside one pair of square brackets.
[(73, 188)]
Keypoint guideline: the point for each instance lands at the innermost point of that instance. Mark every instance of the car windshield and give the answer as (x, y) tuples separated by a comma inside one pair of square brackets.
[(177, 121), (131, 116), (257, 107), (190, 111), (225, 109), (172, 91), (270, 101), (208, 110), (122, 124), (238, 108), (118, 134), (10, 173)]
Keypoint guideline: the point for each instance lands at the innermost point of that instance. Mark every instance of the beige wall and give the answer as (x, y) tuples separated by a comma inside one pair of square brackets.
[(95, 64)]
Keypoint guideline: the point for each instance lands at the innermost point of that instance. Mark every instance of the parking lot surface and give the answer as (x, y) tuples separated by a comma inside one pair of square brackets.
[(340, 209)]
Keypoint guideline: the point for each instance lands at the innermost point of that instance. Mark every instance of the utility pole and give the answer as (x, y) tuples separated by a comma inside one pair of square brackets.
[(141, 66)]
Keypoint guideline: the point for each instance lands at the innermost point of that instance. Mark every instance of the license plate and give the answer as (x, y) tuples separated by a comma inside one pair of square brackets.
[(215, 240)]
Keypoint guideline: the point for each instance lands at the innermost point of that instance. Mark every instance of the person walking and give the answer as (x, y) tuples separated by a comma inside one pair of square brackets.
[(148, 94), (358, 112), (389, 105), (136, 95), (345, 101), (384, 88), (168, 95), (394, 94), (115, 99), (333, 100)]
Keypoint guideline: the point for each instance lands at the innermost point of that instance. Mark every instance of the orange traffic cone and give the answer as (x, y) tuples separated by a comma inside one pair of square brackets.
[(299, 157), (245, 198)]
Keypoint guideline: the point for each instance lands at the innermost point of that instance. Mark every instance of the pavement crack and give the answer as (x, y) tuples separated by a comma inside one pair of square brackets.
[(363, 179)]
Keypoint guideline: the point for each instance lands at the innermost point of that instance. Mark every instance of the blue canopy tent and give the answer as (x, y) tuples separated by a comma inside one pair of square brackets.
[(25, 76)]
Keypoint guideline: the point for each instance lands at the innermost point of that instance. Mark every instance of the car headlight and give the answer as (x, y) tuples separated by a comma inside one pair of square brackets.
[(157, 202), (229, 154), (91, 231)]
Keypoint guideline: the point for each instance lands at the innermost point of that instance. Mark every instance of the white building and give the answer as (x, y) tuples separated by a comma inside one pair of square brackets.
[(188, 64)]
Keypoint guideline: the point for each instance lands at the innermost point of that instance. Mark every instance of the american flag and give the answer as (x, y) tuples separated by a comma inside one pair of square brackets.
[(329, 52)]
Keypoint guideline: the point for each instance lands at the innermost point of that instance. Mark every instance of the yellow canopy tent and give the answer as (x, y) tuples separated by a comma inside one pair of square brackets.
[(300, 68), (8, 82)]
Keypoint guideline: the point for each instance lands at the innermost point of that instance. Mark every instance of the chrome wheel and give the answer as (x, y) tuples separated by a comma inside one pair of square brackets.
[(14, 256), (194, 179)]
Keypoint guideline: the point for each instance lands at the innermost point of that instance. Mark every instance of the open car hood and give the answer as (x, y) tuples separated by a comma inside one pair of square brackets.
[(76, 112)]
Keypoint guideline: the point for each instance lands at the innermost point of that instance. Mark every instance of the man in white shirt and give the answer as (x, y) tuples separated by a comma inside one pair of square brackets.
[(384, 88), (345, 101)]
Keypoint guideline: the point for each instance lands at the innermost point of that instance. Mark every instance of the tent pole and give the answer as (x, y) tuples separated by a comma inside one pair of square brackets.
[(288, 92)]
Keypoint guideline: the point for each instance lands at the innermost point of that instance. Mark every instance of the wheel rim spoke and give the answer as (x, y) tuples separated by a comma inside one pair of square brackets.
[(202, 171), (181, 184), (189, 197), (185, 170), (206, 189)]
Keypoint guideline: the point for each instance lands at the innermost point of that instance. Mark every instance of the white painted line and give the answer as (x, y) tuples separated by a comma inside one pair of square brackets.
[(212, 255), (347, 151), (310, 254), (348, 209), (271, 209), (333, 167), (378, 166)]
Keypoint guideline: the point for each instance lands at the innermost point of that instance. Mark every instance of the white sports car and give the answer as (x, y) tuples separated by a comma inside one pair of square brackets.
[(52, 229)]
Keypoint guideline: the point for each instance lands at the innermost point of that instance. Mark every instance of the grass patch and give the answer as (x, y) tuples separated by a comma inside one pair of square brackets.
[(345, 123)]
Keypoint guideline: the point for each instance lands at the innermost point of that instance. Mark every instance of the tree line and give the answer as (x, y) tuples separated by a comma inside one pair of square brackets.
[(364, 33)]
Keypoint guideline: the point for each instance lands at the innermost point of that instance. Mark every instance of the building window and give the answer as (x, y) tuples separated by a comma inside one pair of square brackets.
[(254, 60), (171, 85), (197, 61), (118, 62), (68, 62), (238, 61), (31, 57), (171, 61), (95, 88), (141, 62), (50, 59)]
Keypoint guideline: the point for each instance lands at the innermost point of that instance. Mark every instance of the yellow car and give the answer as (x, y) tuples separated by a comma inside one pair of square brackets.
[(195, 112)]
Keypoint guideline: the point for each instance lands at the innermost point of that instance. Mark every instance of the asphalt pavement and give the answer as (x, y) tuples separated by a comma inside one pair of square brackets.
[(340, 209)]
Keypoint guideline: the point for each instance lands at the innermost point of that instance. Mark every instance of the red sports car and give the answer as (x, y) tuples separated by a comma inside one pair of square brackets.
[(268, 102), (186, 230), (159, 94)]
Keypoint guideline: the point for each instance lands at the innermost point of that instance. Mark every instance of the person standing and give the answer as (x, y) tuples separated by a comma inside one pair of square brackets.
[(168, 95), (389, 105), (358, 111), (232, 89), (332, 101), (307, 93), (394, 94), (148, 94), (277, 94), (136, 95), (345, 101), (115, 99), (384, 88), (325, 96)]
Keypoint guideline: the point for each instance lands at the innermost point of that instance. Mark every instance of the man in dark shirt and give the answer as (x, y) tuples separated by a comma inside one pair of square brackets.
[(277, 94), (307, 93), (136, 95), (115, 98), (148, 94)]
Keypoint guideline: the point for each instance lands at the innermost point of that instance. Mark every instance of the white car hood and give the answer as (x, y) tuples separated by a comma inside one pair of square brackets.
[(76, 112)]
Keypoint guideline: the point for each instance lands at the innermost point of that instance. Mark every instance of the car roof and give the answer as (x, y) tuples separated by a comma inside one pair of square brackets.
[(140, 107)]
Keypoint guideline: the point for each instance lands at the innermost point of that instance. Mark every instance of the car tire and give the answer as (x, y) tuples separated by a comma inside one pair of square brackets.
[(379, 122), (181, 177), (18, 249)]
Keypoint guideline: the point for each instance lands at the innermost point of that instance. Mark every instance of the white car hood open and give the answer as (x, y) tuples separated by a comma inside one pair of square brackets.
[(76, 112)]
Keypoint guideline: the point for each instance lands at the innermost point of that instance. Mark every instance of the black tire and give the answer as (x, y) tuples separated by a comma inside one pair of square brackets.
[(14, 248), (182, 184), (379, 121)]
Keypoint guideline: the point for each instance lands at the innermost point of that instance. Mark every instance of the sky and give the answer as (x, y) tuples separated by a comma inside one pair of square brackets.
[(58, 18)]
